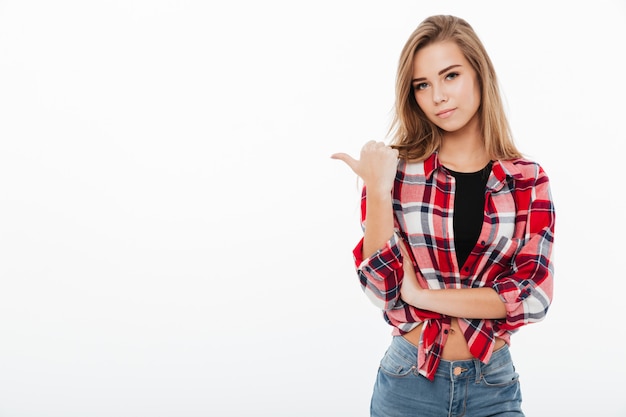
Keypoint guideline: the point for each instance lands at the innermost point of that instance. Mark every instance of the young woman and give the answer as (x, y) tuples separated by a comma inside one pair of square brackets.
[(458, 233)]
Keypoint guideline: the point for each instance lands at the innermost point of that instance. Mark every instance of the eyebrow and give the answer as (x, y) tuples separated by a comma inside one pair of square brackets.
[(439, 73)]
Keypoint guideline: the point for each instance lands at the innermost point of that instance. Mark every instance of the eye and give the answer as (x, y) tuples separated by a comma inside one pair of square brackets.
[(420, 86), (452, 75)]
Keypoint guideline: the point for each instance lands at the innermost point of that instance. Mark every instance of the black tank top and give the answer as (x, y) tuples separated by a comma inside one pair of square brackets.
[(469, 209)]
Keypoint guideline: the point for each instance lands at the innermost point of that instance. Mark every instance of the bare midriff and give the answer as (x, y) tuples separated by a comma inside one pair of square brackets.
[(456, 348)]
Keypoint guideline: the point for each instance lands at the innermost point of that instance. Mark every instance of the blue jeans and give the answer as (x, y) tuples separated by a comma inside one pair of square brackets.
[(461, 388)]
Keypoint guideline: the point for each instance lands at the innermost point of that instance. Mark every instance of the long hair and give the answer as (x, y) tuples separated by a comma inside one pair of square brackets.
[(413, 134)]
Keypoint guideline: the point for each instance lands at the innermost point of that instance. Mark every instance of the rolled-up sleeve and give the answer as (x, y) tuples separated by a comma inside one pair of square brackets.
[(527, 288), (381, 274)]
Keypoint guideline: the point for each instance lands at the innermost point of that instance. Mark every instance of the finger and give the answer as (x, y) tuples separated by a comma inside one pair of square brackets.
[(350, 161)]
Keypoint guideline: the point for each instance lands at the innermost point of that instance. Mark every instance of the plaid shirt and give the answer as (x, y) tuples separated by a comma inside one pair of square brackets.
[(512, 254)]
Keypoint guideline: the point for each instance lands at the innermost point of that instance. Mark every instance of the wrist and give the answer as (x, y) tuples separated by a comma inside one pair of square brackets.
[(381, 192), (418, 297)]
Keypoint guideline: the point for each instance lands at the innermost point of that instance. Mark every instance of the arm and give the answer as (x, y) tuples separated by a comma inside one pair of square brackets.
[(377, 256), (474, 303), (379, 230), (377, 168), (526, 289), (470, 303)]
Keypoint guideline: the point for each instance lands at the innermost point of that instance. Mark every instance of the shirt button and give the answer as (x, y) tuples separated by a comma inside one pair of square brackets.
[(446, 331), (482, 242), (466, 269)]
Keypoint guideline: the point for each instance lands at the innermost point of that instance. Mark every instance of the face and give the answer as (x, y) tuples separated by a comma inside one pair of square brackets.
[(446, 87)]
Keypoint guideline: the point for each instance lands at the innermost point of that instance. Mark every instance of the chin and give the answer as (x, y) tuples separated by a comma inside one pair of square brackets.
[(450, 127)]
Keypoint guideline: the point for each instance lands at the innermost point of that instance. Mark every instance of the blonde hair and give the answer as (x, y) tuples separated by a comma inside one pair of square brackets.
[(414, 135)]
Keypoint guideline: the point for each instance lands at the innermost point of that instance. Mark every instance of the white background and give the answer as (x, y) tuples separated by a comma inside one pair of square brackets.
[(176, 241)]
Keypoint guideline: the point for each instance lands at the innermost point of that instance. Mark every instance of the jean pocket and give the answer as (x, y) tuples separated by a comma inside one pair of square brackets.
[(501, 376), (396, 364)]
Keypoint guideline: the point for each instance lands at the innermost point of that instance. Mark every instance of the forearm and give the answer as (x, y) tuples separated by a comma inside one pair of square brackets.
[(379, 221), (470, 303)]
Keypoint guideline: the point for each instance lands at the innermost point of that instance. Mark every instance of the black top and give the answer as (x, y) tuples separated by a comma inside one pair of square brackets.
[(469, 209)]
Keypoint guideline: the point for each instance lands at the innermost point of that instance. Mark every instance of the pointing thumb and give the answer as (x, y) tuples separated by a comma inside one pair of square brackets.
[(350, 161)]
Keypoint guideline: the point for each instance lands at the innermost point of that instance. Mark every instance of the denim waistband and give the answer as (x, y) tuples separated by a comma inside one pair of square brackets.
[(469, 368)]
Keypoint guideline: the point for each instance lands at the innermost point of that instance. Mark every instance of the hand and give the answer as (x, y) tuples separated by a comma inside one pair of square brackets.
[(377, 165), (410, 289)]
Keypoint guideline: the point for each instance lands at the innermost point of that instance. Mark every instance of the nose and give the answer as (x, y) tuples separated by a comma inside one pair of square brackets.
[(439, 95)]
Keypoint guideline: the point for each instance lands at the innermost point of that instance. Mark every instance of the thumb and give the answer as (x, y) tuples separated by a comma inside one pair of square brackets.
[(350, 161)]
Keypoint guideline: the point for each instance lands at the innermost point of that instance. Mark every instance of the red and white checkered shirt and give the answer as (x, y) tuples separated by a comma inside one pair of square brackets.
[(512, 255)]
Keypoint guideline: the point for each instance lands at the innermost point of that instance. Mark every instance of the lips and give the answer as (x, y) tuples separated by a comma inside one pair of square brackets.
[(443, 114)]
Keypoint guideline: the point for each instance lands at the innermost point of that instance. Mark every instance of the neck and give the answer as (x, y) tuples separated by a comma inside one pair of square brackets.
[(463, 151)]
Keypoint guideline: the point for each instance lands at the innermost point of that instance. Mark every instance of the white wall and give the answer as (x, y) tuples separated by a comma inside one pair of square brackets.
[(176, 241)]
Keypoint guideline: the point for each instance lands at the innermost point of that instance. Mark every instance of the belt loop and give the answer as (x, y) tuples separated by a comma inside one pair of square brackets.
[(477, 365)]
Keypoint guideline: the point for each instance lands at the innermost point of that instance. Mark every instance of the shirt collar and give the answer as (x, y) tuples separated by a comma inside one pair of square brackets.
[(500, 171)]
